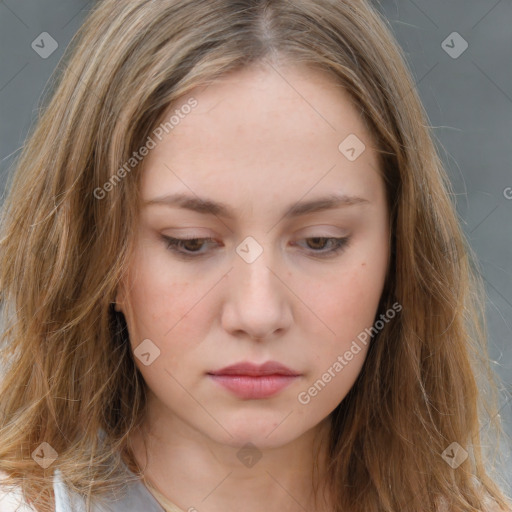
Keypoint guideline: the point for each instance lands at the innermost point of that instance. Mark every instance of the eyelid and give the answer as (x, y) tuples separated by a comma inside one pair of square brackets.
[(340, 244)]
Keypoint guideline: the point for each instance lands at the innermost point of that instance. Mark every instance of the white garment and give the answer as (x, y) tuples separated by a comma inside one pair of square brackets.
[(134, 498), (12, 501)]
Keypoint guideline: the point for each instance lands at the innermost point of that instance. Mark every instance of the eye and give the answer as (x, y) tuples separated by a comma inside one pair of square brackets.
[(337, 245), (192, 246)]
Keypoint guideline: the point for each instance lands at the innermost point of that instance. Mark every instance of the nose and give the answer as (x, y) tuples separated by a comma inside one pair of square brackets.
[(258, 302)]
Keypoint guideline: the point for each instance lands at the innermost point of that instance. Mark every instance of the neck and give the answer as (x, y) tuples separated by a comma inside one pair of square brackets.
[(199, 475)]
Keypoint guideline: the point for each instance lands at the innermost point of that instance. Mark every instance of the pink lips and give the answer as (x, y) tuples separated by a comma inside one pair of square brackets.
[(251, 381)]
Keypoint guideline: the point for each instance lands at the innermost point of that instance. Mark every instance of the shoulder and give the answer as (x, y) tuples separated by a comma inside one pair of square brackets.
[(12, 500), (492, 506), (489, 505)]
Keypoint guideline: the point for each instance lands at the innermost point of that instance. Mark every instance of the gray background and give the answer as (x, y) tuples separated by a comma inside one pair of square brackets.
[(468, 98)]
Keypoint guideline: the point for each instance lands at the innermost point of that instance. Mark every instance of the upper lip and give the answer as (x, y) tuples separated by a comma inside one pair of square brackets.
[(248, 368)]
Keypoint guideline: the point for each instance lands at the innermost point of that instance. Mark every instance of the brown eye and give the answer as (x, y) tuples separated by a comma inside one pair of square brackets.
[(320, 242), (191, 246)]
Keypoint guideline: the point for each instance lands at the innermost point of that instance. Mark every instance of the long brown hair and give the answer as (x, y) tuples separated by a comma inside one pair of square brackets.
[(67, 238)]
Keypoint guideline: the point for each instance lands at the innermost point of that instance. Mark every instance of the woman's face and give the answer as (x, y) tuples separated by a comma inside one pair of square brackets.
[(268, 285)]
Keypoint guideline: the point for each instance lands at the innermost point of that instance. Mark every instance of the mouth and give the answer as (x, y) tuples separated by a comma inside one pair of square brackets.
[(250, 381)]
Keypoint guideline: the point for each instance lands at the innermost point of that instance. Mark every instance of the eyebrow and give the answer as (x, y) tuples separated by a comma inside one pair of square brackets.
[(208, 206)]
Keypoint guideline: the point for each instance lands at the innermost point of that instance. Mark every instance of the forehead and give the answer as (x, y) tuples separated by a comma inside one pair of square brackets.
[(261, 131)]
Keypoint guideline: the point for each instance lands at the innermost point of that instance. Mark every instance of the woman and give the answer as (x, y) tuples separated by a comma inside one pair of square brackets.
[(236, 274)]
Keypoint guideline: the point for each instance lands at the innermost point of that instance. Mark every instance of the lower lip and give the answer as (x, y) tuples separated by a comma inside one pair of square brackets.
[(247, 387)]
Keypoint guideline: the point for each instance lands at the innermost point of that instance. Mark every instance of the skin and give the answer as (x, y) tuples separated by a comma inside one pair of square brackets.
[(259, 140)]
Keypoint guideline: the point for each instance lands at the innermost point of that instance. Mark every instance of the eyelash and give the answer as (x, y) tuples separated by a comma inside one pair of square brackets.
[(172, 244)]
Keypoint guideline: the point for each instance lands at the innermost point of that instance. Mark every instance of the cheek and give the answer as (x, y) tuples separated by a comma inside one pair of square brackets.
[(170, 309), (348, 302), (347, 305), (159, 297), (159, 310)]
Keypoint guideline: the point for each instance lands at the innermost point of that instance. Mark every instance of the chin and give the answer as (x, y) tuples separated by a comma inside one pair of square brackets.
[(264, 431)]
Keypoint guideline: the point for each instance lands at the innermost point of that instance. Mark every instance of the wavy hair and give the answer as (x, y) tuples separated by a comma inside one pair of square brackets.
[(68, 367)]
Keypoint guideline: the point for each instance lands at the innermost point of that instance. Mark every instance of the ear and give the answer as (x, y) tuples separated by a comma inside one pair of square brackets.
[(118, 301)]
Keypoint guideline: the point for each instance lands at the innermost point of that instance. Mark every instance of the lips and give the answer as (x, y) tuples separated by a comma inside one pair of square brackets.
[(251, 381), (255, 370)]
